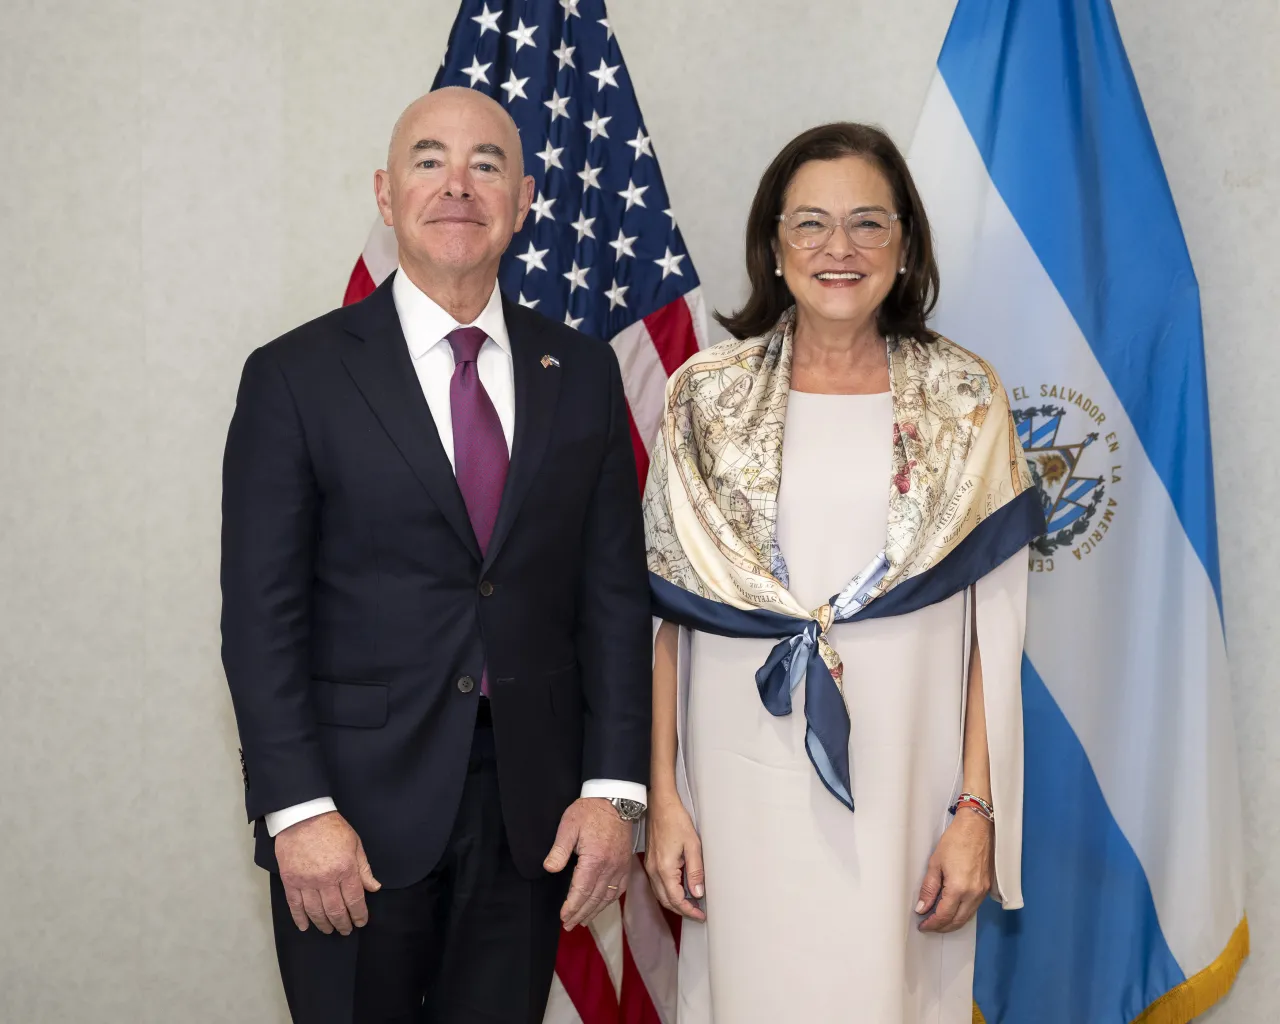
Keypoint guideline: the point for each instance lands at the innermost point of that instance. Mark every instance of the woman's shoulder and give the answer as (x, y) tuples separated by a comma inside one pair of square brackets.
[(722, 351), (742, 353), (951, 357)]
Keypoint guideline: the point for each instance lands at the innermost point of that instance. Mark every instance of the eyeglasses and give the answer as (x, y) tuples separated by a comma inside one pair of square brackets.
[(868, 228)]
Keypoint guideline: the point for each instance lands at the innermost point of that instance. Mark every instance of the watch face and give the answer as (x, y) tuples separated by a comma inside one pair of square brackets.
[(629, 810)]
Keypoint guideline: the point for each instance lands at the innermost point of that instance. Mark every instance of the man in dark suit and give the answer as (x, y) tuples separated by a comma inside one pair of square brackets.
[(435, 612)]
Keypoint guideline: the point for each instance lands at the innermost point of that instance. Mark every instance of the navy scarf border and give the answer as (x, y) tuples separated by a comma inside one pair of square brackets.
[(993, 541)]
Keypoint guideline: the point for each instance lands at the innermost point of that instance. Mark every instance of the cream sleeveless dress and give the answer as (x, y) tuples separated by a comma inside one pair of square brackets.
[(810, 908)]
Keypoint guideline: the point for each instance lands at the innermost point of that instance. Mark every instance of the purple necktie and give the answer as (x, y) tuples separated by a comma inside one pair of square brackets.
[(480, 456)]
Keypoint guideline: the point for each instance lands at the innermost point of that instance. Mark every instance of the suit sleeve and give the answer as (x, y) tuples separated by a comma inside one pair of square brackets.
[(614, 624), (269, 507)]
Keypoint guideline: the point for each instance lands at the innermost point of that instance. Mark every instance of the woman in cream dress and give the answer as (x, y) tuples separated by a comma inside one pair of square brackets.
[(797, 908)]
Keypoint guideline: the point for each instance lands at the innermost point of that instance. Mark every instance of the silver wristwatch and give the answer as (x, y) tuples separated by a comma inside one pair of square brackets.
[(628, 810)]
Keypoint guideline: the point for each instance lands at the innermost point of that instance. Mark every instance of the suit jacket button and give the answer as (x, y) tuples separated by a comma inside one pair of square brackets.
[(466, 684), (486, 589)]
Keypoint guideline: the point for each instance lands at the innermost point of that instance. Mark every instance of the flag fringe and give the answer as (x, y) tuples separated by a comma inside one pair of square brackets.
[(1198, 993)]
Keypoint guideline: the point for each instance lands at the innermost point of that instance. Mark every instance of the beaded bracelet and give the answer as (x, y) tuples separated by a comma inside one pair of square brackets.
[(977, 804)]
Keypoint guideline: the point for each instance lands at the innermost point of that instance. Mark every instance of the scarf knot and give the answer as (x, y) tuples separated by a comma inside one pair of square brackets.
[(793, 658)]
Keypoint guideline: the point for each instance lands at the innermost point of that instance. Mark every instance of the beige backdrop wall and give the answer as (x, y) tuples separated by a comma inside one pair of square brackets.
[(182, 180)]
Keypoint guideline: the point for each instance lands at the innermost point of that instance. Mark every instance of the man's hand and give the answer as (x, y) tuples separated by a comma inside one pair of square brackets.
[(325, 874), (603, 841), (959, 875)]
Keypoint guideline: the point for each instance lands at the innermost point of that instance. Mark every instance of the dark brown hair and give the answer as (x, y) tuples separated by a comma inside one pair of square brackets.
[(909, 304)]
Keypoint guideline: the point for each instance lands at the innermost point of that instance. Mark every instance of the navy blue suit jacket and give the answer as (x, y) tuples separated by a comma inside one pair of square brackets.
[(356, 603)]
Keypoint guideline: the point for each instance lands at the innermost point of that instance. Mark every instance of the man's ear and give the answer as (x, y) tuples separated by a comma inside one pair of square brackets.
[(525, 200), (382, 196)]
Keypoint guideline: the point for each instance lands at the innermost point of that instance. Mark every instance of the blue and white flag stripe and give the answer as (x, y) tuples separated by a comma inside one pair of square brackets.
[(1067, 143), (1063, 263)]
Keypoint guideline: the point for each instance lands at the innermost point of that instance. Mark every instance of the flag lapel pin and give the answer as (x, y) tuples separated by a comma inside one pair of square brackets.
[(549, 361)]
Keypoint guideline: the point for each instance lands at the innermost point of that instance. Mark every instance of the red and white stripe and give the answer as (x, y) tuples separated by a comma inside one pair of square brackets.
[(649, 351), (622, 969)]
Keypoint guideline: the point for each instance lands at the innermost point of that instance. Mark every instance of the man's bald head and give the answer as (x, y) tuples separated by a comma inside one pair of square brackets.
[(454, 100), (454, 188)]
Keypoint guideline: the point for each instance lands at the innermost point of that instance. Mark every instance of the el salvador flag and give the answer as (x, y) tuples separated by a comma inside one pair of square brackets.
[(1064, 264)]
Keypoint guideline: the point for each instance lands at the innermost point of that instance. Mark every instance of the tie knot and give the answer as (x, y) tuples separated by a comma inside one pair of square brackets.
[(466, 342)]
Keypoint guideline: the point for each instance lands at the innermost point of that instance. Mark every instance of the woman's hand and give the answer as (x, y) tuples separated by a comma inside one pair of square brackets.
[(673, 852), (959, 875)]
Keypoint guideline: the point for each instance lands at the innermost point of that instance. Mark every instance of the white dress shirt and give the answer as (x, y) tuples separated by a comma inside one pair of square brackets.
[(426, 328)]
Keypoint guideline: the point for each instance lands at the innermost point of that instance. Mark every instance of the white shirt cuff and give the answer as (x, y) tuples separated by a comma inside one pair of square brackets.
[(609, 788), (278, 821)]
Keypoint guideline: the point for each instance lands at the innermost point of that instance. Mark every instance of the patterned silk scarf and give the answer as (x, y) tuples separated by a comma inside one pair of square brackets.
[(960, 504)]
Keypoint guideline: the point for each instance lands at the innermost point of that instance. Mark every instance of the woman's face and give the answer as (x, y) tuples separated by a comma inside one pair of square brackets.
[(839, 281)]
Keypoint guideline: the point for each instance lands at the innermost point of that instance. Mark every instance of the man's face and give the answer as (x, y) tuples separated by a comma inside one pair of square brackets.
[(454, 190)]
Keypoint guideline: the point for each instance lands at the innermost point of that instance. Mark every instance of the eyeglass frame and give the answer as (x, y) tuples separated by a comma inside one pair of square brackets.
[(893, 217)]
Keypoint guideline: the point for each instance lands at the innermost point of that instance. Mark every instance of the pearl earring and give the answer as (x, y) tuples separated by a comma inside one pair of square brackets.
[(902, 270), (777, 271)]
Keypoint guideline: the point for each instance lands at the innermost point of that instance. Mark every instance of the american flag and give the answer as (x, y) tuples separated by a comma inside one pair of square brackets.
[(601, 251)]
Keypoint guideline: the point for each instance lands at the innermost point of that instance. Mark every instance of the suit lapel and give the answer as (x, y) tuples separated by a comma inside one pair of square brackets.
[(383, 371), (537, 389)]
